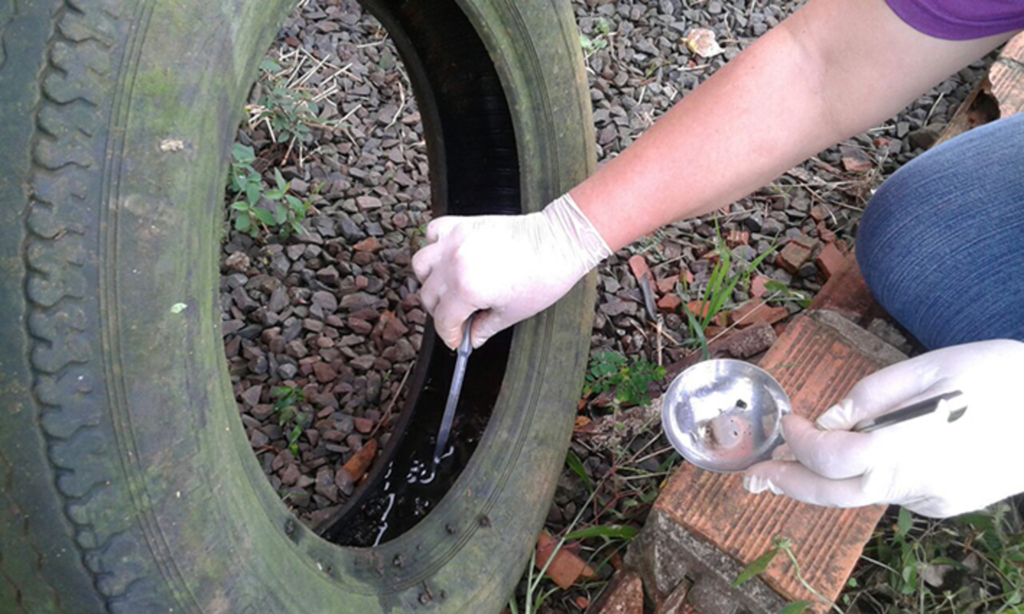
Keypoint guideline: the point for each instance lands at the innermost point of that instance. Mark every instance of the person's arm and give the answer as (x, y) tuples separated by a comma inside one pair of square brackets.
[(833, 69)]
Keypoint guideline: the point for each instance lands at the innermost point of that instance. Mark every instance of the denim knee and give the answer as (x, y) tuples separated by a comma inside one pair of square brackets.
[(888, 240), (938, 244)]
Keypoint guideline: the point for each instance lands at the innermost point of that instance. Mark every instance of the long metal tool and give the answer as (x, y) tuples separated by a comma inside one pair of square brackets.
[(465, 348)]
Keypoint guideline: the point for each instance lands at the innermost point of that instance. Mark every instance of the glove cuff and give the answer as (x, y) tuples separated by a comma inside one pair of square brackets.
[(585, 242)]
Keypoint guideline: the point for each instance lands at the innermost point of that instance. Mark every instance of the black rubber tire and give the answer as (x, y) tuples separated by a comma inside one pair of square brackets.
[(126, 481)]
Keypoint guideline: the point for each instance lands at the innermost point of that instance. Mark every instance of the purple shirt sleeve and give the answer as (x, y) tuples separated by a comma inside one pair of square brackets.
[(961, 19)]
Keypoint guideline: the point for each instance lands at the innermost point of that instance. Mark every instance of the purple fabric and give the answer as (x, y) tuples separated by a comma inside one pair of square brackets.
[(961, 19)]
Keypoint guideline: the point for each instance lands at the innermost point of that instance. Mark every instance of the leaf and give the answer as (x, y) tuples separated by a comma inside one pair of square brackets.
[(280, 214), (242, 223), (574, 463), (759, 565), (239, 206), (279, 180), (252, 194), (242, 154), (178, 307), (611, 531), (264, 216), (270, 66), (904, 522), (796, 607)]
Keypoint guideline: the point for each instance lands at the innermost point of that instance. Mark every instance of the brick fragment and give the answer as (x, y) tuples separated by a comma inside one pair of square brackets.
[(792, 257), (670, 303), (756, 311), (566, 567), (667, 285), (735, 238), (758, 287), (830, 261), (638, 265), (370, 244)]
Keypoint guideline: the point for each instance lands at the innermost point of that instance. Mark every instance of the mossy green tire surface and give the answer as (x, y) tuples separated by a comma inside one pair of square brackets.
[(126, 481)]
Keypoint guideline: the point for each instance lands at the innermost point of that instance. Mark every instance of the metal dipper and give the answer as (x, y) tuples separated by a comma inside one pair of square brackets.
[(726, 415)]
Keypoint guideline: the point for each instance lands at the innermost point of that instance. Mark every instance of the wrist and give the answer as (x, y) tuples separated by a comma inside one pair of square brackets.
[(575, 234)]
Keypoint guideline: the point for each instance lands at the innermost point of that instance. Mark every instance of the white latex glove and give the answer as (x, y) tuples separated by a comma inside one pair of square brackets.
[(928, 465), (508, 267)]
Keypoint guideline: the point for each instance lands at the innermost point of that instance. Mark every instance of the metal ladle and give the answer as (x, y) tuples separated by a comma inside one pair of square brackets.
[(726, 415)]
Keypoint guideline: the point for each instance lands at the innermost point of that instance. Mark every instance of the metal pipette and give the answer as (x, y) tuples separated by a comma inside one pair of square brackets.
[(465, 348)]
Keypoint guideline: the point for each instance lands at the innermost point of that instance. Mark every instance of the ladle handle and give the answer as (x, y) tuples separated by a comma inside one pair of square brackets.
[(949, 402)]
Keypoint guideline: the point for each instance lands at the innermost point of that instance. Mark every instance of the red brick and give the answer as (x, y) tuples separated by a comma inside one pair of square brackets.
[(756, 311), (825, 234), (699, 309), (639, 267), (670, 303), (830, 261), (817, 213), (370, 244), (855, 160), (667, 285), (757, 286), (817, 366), (735, 238), (686, 276), (792, 257), (565, 567)]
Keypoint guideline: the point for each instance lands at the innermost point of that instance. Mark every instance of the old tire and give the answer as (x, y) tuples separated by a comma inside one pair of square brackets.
[(126, 481)]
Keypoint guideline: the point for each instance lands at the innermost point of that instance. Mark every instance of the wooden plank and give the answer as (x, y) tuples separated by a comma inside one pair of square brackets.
[(817, 366)]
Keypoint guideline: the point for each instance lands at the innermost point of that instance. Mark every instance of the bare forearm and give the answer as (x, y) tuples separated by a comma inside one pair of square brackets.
[(834, 69)]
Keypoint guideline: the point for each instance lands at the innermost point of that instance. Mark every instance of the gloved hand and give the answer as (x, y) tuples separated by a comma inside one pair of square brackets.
[(508, 267), (929, 465)]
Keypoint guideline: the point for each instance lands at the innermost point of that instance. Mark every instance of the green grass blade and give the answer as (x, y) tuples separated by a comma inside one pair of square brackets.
[(611, 531), (576, 466), (759, 565)]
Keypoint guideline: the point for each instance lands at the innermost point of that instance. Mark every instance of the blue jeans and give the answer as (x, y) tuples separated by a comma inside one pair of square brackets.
[(941, 245)]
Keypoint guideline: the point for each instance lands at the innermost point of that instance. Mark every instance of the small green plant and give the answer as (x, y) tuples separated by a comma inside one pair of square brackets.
[(286, 408), (630, 381), (713, 298), (599, 42), (970, 563), (782, 545), (778, 292), (287, 111), (251, 213)]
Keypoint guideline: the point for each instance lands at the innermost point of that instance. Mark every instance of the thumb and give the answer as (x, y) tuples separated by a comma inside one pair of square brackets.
[(439, 228), (486, 324), (832, 454), (802, 484)]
